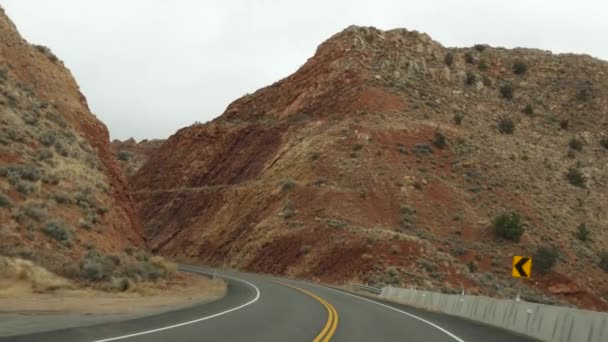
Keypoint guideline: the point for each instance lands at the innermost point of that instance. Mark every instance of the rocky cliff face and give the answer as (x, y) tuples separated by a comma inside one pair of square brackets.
[(387, 158), (61, 190)]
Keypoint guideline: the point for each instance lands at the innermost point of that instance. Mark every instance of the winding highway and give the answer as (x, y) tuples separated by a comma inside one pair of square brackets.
[(266, 309)]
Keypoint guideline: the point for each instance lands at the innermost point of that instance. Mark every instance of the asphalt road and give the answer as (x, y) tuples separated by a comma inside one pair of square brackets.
[(259, 308)]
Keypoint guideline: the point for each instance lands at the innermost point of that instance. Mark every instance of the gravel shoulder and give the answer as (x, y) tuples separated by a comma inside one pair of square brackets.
[(23, 311)]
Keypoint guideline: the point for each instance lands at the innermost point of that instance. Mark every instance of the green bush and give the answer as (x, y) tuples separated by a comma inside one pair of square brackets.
[(483, 65), (506, 125), (58, 231), (471, 78), (449, 59), (508, 226), (124, 156), (528, 110), (5, 202), (544, 259), (604, 260), (582, 233), (507, 91), (48, 138), (97, 267), (604, 142), (457, 118), (439, 140), (480, 47), (469, 58), (576, 144), (576, 177), (520, 68)]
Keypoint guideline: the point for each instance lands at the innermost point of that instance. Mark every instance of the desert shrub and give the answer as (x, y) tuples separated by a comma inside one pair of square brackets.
[(357, 147), (5, 202), (407, 221), (124, 156), (28, 172), (506, 125), (520, 67), (47, 52), (439, 140), (483, 65), (48, 138), (604, 142), (604, 261), (576, 177), (62, 149), (471, 78), (457, 118), (480, 47), (287, 185), (96, 267), (582, 232), (528, 110), (85, 199), (31, 211), (508, 226), (472, 267), (564, 123), (61, 197), (143, 270), (576, 144), (584, 92), (422, 149), (469, 58), (449, 59), (507, 91), (545, 258), (45, 154), (57, 230)]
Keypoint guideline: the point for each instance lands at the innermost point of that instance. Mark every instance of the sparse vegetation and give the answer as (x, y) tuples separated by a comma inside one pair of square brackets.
[(439, 140), (48, 138), (507, 91), (520, 67), (35, 212), (563, 124), (545, 258), (422, 149), (528, 110), (508, 226), (506, 125), (582, 232), (58, 231), (449, 59), (576, 144), (576, 177), (357, 147)]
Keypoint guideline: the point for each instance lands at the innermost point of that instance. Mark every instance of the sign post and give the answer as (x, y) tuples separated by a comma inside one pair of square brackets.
[(522, 268)]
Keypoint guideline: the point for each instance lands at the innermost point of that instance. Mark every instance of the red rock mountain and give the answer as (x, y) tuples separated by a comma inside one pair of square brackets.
[(61, 190), (132, 154), (388, 158)]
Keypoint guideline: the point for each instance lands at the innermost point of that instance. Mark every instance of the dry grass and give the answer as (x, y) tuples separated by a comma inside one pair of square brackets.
[(22, 276)]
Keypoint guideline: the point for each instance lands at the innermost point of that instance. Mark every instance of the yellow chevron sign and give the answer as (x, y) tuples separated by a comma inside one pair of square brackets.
[(522, 267)]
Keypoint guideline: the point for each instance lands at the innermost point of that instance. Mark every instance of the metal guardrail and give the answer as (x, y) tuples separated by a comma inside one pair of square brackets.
[(374, 290)]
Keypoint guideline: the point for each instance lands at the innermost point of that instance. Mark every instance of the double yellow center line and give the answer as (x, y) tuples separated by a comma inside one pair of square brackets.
[(332, 316)]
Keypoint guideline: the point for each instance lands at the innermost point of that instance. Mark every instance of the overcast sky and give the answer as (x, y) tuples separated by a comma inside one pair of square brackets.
[(150, 67)]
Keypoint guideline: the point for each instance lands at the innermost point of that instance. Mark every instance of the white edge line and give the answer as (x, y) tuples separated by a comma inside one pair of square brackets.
[(392, 308), (257, 296)]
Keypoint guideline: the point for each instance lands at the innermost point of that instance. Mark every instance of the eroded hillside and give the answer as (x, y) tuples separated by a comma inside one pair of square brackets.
[(386, 159), (63, 199)]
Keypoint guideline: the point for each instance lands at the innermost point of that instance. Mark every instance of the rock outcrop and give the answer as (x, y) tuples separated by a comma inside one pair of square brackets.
[(385, 159)]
